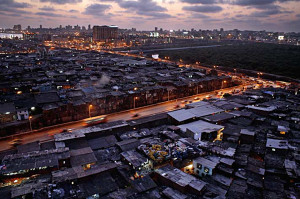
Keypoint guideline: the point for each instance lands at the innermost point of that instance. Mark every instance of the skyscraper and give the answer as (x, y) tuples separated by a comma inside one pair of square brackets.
[(105, 33)]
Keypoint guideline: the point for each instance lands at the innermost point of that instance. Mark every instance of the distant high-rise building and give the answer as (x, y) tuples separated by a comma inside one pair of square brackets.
[(77, 27), (60, 26), (17, 27), (89, 27), (104, 33), (41, 26), (68, 27), (28, 28), (156, 29)]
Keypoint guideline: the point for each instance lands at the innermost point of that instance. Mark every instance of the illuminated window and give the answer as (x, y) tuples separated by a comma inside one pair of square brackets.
[(88, 166), (206, 170), (199, 166)]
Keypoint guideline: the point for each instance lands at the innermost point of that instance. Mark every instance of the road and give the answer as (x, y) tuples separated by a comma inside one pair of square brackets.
[(47, 134), (169, 49)]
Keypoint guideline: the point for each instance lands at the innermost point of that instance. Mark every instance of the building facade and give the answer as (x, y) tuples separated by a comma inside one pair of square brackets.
[(105, 33)]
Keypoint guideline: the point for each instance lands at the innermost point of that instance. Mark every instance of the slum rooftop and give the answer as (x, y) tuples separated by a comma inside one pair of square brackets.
[(77, 75)]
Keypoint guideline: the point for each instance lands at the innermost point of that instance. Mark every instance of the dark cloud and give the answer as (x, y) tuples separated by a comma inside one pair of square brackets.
[(156, 15), (203, 8), (46, 8), (48, 14), (148, 8), (252, 2), (10, 14), (142, 6), (257, 2), (267, 13), (264, 8), (12, 4), (62, 1), (236, 2), (97, 9), (12, 8), (73, 11), (201, 1)]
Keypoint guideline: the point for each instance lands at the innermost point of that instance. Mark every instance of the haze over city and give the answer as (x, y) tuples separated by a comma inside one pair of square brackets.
[(270, 15)]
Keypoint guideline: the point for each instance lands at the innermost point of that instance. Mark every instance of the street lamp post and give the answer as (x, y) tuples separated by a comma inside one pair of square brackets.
[(90, 107), (135, 98), (223, 82), (29, 118)]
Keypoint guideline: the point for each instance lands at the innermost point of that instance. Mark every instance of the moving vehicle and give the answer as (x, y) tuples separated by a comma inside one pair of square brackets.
[(98, 120), (176, 106), (135, 115), (15, 142), (66, 131), (209, 96)]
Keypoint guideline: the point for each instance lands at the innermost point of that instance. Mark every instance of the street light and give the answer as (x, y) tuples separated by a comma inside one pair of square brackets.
[(90, 106), (223, 82), (29, 118), (258, 74), (135, 98)]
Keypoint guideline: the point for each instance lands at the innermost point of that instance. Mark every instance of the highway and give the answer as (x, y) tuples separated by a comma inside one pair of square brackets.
[(169, 49), (47, 133)]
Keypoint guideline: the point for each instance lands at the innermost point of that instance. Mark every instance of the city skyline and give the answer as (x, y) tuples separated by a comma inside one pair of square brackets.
[(270, 15)]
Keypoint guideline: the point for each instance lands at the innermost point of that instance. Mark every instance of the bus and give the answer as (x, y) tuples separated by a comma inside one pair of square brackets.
[(98, 120)]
